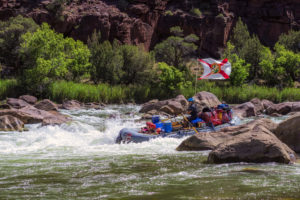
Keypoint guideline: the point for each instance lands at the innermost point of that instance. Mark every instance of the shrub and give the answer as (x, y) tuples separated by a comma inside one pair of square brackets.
[(48, 56), (196, 12), (10, 39), (169, 12)]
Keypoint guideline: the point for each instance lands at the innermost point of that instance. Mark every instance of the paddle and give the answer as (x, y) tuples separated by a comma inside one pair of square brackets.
[(184, 117)]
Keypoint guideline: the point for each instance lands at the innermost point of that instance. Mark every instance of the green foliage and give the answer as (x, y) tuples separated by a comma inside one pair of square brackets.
[(240, 34), (244, 93), (291, 41), (169, 12), (137, 65), (56, 8), (8, 88), (10, 39), (170, 78), (175, 49), (289, 61), (119, 64), (48, 56), (240, 69), (106, 61), (61, 90), (196, 12)]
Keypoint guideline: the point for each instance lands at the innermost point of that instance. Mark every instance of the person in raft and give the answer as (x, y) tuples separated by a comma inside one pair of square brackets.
[(207, 117), (192, 111), (150, 129)]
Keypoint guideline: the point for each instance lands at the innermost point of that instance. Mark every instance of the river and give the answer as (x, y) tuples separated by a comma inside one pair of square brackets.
[(80, 160)]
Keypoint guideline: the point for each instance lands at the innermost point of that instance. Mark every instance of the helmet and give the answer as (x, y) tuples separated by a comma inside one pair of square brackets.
[(191, 99)]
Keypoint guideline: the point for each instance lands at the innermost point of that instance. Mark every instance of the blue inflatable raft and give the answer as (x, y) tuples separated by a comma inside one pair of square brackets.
[(128, 135)]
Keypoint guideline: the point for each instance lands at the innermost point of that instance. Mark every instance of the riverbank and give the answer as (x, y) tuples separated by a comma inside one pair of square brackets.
[(105, 93)]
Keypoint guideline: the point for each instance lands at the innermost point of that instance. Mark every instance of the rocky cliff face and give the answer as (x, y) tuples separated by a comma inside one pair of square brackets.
[(146, 22)]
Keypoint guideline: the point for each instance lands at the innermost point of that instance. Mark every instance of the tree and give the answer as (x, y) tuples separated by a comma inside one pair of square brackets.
[(170, 78), (251, 52), (10, 39), (289, 61), (137, 65), (106, 61), (240, 69), (240, 34), (291, 41), (48, 56), (175, 49)]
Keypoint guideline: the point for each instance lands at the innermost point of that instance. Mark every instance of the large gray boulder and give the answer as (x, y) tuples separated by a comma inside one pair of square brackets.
[(173, 106), (16, 103), (244, 110), (46, 105), (251, 142), (206, 99), (210, 140), (71, 105), (32, 115), (288, 132), (10, 123), (283, 108), (258, 106), (29, 99)]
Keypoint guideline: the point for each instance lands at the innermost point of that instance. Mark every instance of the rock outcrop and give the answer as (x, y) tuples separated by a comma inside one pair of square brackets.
[(71, 105), (10, 123), (288, 131), (46, 105), (16, 103), (206, 99), (283, 108), (29, 99), (252, 142), (244, 110), (173, 106), (147, 22), (32, 115)]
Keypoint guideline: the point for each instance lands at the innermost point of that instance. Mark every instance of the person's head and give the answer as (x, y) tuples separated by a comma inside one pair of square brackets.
[(191, 100)]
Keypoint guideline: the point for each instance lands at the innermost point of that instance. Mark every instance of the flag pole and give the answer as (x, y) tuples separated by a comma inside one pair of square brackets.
[(196, 76)]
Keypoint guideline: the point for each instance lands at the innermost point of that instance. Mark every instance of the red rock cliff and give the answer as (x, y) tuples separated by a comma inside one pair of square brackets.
[(147, 22)]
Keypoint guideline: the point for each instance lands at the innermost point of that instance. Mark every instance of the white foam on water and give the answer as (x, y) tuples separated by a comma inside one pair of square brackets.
[(90, 132)]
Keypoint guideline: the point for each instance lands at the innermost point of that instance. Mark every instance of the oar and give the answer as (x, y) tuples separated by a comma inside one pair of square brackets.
[(184, 117)]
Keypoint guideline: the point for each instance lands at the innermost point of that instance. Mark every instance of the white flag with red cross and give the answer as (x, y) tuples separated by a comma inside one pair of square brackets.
[(214, 69)]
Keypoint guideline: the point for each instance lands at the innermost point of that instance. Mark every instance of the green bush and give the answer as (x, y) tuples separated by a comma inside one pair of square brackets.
[(10, 39), (291, 41), (48, 56), (196, 12), (169, 12), (8, 88)]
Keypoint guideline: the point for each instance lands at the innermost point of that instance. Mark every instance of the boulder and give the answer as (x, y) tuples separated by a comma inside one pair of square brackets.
[(244, 110), (46, 105), (258, 106), (54, 119), (256, 146), (16, 103), (71, 105), (175, 106), (251, 142), (281, 108), (167, 109), (29, 99), (10, 123), (206, 99), (5, 106), (93, 105), (288, 132), (30, 114), (210, 140), (266, 103)]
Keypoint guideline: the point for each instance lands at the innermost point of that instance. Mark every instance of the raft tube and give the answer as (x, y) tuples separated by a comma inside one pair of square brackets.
[(128, 135)]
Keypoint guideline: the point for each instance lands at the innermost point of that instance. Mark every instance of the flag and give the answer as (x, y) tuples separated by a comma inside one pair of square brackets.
[(214, 69)]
